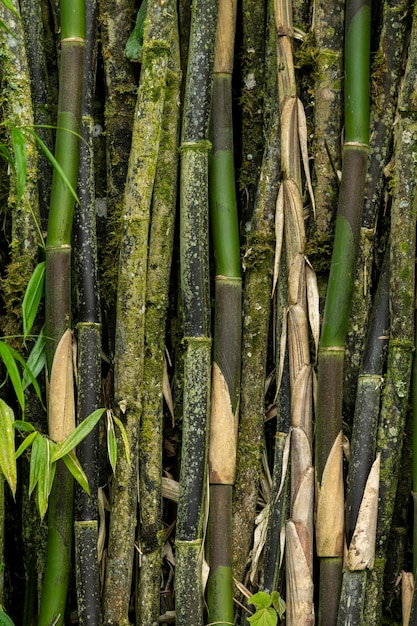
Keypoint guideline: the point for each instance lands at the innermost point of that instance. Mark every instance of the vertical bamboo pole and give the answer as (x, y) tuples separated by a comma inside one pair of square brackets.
[(58, 295), (196, 311), (131, 305)]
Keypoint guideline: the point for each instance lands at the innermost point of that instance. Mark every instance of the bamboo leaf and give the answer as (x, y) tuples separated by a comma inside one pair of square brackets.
[(19, 149), (36, 361), (8, 356), (124, 437), (313, 304), (330, 504), (25, 444), (7, 450), (61, 417), (76, 470), (111, 441), (9, 5), (279, 233), (166, 390), (4, 149), (25, 427), (133, 48), (223, 432), (37, 459), (407, 590), (83, 429), (5, 619), (32, 298), (299, 605)]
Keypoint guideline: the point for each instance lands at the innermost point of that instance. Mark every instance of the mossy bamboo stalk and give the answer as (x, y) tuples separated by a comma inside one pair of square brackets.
[(257, 265), (401, 342), (329, 536), (131, 305), (194, 205), (116, 22), (58, 293), (363, 444), (89, 346), (227, 325), (151, 531)]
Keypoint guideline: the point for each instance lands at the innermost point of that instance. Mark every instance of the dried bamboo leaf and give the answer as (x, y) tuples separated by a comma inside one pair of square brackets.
[(301, 458), (302, 514), (302, 134), (290, 159), (295, 238), (285, 458), (299, 600), (279, 233), (170, 489), (103, 506), (407, 589), (313, 304), (61, 413), (259, 537), (282, 348), (223, 432), (297, 281), (283, 17), (361, 552), (302, 400), (330, 505), (299, 348)]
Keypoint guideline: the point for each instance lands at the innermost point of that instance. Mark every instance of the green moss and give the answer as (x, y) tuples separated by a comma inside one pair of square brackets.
[(319, 252)]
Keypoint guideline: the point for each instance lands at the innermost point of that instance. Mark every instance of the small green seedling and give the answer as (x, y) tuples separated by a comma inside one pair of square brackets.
[(269, 608)]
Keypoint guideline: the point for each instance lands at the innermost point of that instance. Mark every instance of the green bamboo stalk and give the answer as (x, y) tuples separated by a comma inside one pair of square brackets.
[(131, 305), (329, 536), (401, 342), (194, 204), (227, 325), (58, 293), (151, 531), (89, 346)]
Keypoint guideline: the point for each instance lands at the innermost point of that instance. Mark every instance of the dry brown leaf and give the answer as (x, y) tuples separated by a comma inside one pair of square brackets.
[(166, 390), (313, 305), (301, 458), (302, 134), (170, 489), (302, 400), (297, 281), (330, 505), (290, 151), (223, 432), (279, 233), (259, 537), (302, 514), (299, 348), (103, 506), (407, 589), (300, 589), (282, 348), (295, 238), (361, 551), (61, 405)]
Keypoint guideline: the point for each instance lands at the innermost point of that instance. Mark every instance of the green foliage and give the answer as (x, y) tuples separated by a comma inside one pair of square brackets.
[(7, 457), (134, 43), (112, 441), (5, 619), (269, 608), (33, 296)]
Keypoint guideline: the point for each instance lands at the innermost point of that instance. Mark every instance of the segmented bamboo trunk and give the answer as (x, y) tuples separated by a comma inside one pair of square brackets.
[(302, 305), (227, 325), (58, 301), (131, 305), (194, 206)]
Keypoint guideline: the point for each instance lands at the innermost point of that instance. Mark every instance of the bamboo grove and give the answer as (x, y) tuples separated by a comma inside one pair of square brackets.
[(208, 408)]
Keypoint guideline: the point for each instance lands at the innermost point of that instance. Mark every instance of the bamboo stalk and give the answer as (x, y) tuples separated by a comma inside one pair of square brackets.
[(196, 312), (401, 342), (58, 295), (329, 536), (89, 345), (131, 305), (151, 532), (227, 325)]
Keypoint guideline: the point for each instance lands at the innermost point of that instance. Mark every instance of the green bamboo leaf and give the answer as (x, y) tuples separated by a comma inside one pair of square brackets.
[(25, 427), (123, 433), (44, 480), (5, 619), (37, 459), (25, 444), (8, 4), (111, 441), (7, 454), (19, 149), (8, 355), (134, 43), (52, 159), (76, 470), (264, 617), (32, 298), (36, 360), (77, 435), (4, 150)]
